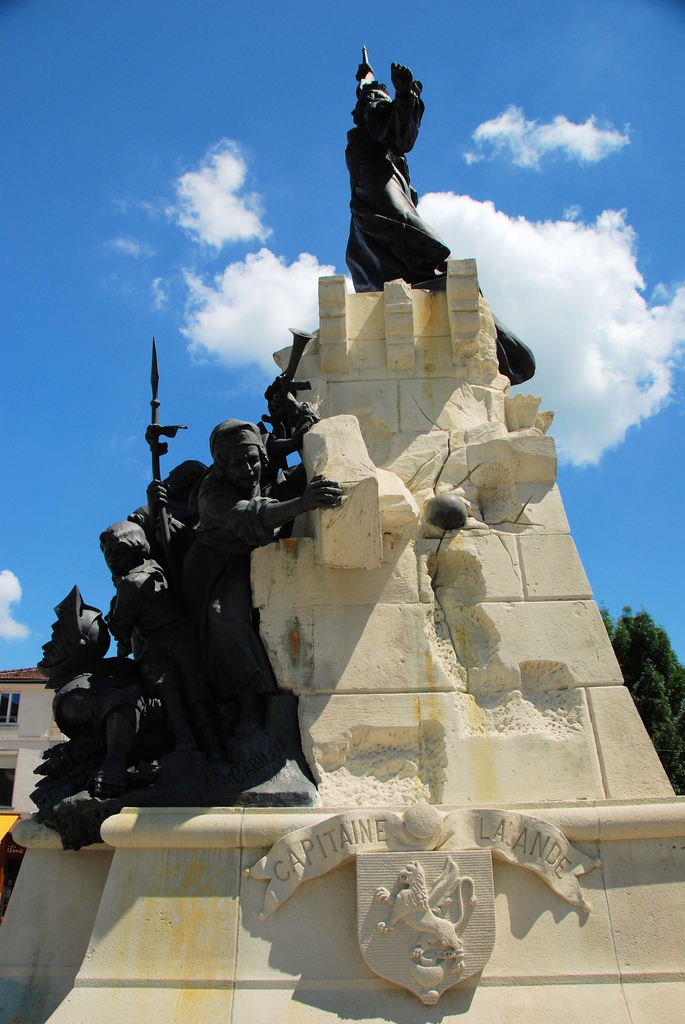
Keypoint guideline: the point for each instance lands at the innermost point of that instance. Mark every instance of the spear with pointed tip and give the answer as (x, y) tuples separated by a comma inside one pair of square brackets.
[(364, 68), (157, 449)]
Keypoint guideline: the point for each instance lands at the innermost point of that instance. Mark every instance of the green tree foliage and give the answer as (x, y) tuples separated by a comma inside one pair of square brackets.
[(656, 681)]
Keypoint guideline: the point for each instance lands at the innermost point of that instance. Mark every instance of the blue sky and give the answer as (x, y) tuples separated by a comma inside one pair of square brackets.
[(177, 168)]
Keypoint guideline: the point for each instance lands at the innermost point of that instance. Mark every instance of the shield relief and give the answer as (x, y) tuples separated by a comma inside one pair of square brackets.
[(426, 920)]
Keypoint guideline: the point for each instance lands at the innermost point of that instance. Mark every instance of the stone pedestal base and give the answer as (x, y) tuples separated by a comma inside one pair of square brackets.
[(163, 925)]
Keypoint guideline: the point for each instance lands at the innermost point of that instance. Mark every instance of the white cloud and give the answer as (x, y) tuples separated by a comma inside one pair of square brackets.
[(131, 247), (573, 293), (528, 141), (209, 201), (10, 593), (243, 316), (160, 293)]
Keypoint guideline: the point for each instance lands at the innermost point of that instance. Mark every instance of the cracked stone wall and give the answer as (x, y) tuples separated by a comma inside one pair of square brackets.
[(447, 666)]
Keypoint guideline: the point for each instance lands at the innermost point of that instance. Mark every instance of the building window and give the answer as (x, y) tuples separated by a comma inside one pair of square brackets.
[(9, 708), (6, 786)]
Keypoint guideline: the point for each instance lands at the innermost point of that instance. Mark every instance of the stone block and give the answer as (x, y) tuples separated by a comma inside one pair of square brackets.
[(321, 955), (478, 568), (148, 928), (349, 536), (645, 883), (629, 762), (521, 746), (46, 929), (540, 506), (529, 458), (372, 401), (480, 433), (288, 638), (160, 1003), (542, 645), (333, 323), (382, 648), (650, 1002), (365, 317), (425, 403), (386, 749), (551, 568), (418, 459), (560, 943), (430, 315), (399, 326), (454, 473), (375, 749), (398, 506), (463, 301), (286, 575)]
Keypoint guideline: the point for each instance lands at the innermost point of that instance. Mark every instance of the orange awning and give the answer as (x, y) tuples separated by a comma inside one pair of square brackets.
[(7, 823)]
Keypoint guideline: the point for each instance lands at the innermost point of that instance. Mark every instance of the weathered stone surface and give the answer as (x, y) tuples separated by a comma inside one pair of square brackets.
[(529, 458), (425, 403), (463, 302), (375, 750), (349, 536), (371, 401), (369, 648), (420, 459), (496, 749), (477, 568), (333, 323), (286, 575), (40, 953), (398, 506), (521, 411), (629, 761), (551, 568), (544, 645), (620, 963), (399, 326), (539, 506)]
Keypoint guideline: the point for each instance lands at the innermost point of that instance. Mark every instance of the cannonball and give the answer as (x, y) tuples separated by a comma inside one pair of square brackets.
[(446, 512)]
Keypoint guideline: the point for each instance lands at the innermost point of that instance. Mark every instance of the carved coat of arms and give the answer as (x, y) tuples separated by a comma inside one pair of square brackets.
[(426, 920)]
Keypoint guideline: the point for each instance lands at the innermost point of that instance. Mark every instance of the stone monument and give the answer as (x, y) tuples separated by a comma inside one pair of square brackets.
[(488, 832)]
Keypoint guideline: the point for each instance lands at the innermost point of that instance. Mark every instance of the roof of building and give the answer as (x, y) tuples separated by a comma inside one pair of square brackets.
[(26, 675)]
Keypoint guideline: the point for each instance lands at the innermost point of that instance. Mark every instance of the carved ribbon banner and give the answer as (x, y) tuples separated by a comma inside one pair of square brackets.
[(529, 842), (317, 849)]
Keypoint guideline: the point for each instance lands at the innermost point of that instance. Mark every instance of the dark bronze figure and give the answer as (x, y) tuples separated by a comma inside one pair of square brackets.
[(119, 751), (97, 704), (172, 494), (194, 718), (289, 419), (146, 619), (388, 238), (235, 517)]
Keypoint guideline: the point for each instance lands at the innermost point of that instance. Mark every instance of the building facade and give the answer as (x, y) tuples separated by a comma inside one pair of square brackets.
[(26, 730)]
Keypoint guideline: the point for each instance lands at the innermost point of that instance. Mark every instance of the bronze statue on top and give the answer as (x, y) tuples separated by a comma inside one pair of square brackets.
[(388, 238)]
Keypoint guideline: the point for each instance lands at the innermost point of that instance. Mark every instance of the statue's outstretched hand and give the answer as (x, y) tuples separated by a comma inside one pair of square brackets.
[(402, 78), (322, 493)]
